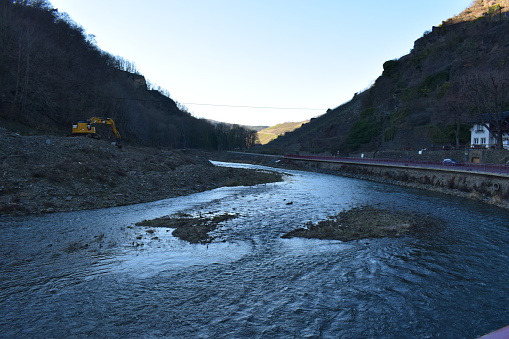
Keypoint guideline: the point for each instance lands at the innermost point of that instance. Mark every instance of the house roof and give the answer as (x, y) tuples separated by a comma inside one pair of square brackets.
[(494, 117), (491, 117), (487, 117)]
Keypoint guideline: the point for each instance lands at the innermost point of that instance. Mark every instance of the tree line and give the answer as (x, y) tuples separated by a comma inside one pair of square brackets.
[(52, 73)]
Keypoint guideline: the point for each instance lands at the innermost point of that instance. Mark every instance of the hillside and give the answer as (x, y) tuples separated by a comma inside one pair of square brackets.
[(427, 98), (270, 133), (52, 73)]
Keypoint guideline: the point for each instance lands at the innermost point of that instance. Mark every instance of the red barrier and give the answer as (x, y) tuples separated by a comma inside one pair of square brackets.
[(469, 167)]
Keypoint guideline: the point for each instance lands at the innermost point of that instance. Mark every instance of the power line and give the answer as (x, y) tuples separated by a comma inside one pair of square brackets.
[(259, 107), (216, 105)]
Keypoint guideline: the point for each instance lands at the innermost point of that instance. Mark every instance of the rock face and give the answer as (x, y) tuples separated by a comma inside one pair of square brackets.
[(49, 174)]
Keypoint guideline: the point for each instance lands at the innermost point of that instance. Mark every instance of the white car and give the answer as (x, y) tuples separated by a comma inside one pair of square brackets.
[(450, 162)]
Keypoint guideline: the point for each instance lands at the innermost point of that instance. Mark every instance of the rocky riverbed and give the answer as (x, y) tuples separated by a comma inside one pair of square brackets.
[(192, 228), (363, 223), (358, 223), (43, 174)]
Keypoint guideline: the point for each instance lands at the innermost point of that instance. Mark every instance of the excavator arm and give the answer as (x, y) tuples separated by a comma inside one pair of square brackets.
[(107, 121), (86, 127)]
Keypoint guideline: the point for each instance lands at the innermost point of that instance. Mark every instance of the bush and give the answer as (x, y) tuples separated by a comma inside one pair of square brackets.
[(495, 9), (433, 82), (367, 113), (399, 116), (389, 133), (362, 132)]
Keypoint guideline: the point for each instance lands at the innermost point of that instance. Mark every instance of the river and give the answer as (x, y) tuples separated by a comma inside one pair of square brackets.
[(95, 274)]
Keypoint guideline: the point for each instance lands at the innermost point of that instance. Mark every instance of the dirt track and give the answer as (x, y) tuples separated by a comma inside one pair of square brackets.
[(43, 174)]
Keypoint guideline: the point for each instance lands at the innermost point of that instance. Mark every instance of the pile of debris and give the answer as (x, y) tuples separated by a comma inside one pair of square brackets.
[(42, 174)]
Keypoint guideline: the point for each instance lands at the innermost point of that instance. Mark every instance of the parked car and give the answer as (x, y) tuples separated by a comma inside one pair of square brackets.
[(450, 162)]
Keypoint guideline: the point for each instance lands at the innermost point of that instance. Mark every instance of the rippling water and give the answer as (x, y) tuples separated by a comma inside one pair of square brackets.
[(95, 274)]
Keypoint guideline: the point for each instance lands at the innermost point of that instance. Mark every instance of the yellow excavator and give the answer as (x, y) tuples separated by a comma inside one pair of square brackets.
[(87, 128)]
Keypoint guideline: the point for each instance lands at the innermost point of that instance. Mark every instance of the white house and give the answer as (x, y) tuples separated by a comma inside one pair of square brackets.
[(481, 137)]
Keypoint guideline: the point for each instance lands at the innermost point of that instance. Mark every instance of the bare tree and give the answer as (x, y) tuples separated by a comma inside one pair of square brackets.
[(26, 38), (488, 93)]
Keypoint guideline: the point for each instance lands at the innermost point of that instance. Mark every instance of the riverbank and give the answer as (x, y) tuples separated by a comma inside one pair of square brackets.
[(489, 190), (44, 174)]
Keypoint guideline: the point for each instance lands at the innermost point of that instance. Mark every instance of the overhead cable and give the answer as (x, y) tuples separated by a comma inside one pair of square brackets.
[(258, 107)]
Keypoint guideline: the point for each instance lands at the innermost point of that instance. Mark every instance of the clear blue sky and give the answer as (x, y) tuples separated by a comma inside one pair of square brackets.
[(259, 53)]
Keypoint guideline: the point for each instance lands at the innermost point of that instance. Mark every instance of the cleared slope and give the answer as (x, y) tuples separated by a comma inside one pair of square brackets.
[(268, 134)]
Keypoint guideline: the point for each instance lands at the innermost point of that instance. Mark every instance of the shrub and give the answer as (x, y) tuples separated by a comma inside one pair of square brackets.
[(443, 89), (433, 82), (362, 132), (399, 116), (389, 133), (367, 113), (493, 10)]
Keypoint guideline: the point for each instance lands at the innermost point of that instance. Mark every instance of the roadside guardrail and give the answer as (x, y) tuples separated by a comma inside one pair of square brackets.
[(496, 169)]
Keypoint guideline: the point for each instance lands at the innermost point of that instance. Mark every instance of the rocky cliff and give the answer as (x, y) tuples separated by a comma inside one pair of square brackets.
[(427, 98)]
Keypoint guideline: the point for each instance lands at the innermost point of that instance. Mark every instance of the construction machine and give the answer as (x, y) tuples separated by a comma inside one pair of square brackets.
[(87, 128)]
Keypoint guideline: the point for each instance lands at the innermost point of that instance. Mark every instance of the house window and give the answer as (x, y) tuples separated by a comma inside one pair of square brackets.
[(476, 141), (483, 141), (479, 128)]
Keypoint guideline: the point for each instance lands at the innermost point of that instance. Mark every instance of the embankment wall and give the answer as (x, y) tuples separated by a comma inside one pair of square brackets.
[(484, 156), (490, 188)]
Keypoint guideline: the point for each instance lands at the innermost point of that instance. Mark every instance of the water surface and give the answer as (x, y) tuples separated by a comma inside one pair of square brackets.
[(93, 273)]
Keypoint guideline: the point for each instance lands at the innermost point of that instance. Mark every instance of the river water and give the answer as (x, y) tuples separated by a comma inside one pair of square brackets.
[(96, 274)]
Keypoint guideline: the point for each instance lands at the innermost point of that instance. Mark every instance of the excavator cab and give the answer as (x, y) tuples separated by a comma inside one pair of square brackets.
[(87, 128), (83, 127)]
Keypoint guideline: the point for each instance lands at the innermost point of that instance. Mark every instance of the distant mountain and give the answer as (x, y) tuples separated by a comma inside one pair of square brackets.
[(426, 98), (256, 128), (270, 133), (52, 74)]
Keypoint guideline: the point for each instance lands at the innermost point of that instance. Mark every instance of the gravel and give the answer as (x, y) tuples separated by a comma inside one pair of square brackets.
[(367, 222), (44, 174)]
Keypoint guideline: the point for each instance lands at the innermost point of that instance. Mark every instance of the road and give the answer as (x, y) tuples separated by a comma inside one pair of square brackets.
[(494, 169)]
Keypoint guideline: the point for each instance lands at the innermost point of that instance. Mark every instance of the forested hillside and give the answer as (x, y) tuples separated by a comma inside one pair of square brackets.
[(456, 73), (52, 73)]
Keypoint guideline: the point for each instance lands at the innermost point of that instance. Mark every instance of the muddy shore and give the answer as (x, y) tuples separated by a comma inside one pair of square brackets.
[(44, 174)]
